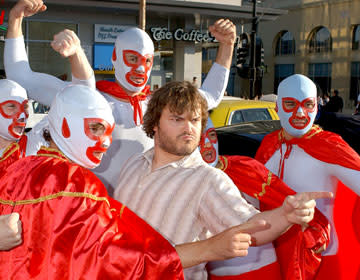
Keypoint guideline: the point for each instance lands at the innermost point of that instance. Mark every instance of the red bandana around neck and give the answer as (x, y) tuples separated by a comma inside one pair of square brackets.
[(115, 90)]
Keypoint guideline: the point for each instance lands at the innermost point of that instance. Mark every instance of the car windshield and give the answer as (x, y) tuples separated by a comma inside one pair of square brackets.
[(249, 115)]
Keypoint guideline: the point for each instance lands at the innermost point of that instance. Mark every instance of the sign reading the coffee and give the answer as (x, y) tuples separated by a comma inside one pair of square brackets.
[(162, 33)]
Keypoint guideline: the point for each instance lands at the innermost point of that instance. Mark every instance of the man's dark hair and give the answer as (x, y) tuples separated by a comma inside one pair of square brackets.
[(336, 92), (180, 97)]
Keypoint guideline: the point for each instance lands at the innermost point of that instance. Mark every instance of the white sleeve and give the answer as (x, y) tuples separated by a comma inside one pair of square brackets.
[(214, 85), (40, 87), (35, 137), (350, 177), (91, 83)]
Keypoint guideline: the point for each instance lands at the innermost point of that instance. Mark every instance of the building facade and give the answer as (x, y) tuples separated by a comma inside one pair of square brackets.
[(184, 48), (316, 38)]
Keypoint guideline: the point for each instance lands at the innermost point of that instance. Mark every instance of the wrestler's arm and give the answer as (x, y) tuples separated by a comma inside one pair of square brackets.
[(41, 87), (216, 81)]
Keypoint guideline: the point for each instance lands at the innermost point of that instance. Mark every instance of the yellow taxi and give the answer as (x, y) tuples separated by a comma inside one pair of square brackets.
[(233, 110)]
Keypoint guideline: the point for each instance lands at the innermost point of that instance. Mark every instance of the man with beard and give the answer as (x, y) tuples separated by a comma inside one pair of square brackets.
[(265, 191), (132, 59), (309, 159), (177, 193)]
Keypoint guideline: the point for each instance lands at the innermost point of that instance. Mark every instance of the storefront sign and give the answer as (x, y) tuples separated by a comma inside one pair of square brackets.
[(2, 15), (162, 33), (105, 33)]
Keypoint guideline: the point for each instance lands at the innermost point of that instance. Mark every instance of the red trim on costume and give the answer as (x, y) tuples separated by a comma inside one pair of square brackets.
[(115, 90)]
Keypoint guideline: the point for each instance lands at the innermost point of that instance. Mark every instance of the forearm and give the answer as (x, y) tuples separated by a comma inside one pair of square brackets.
[(80, 66), (14, 26), (225, 54), (278, 225), (193, 253)]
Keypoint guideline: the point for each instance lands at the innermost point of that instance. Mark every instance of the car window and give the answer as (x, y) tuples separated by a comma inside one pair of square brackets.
[(40, 108), (250, 115)]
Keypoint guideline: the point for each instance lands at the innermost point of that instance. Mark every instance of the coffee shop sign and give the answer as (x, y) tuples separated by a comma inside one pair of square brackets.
[(162, 33)]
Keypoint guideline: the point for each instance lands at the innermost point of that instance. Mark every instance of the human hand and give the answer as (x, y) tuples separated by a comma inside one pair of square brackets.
[(235, 241), (10, 231), (224, 31), (300, 208), (27, 8), (66, 43)]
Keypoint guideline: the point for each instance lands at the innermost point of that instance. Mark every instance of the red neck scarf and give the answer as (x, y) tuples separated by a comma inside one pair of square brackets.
[(115, 90)]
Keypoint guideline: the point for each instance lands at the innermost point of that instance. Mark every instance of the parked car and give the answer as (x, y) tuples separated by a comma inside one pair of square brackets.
[(234, 110), (244, 138), (37, 112)]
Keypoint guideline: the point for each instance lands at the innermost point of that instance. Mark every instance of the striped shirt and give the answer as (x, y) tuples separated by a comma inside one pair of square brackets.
[(185, 201)]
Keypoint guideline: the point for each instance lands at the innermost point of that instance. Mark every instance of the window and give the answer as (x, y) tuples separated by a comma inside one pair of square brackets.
[(285, 44), (282, 71), (355, 80), (320, 73), (320, 41), (249, 115), (42, 57), (356, 37)]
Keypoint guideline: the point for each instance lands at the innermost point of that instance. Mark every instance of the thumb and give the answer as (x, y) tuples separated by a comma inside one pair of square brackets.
[(251, 227)]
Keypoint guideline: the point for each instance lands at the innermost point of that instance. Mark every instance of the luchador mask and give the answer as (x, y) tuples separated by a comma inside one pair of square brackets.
[(209, 144), (296, 104), (81, 124), (133, 58), (13, 110)]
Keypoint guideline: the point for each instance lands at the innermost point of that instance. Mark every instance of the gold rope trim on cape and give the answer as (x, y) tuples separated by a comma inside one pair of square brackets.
[(54, 196), (122, 211), (62, 157), (316, 129), (222, 163), (263, 186), (14, 144)]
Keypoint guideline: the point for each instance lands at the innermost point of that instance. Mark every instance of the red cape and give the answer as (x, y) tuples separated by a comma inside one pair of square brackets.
[(12, 153), (253, 178), (73, 230), (331, 148)]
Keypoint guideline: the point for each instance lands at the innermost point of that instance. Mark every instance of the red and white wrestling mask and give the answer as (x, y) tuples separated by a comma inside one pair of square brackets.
[(81, 124), (209, 145), (13, 110), (296, 104), (132, 58)]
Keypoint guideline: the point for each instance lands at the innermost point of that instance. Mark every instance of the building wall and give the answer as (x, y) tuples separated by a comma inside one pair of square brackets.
[(339, 17)]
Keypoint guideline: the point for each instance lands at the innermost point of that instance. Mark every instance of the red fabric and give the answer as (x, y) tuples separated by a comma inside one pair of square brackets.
[(269, 272), (73, 230), (253, 178), (12, 153), (114, 89), (331, 148)]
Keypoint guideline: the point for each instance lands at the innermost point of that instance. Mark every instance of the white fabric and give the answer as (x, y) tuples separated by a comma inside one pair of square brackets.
[(10, 90), (128, 139), (35, 137), (137, 40), (300, 88), (185, 200), (39, 86), (305, 173), (72, 106)]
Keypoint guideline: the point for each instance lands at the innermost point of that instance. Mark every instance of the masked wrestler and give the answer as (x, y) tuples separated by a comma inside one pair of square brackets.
[(14, 144), (265, 191), (309, 159), (132, 59)]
